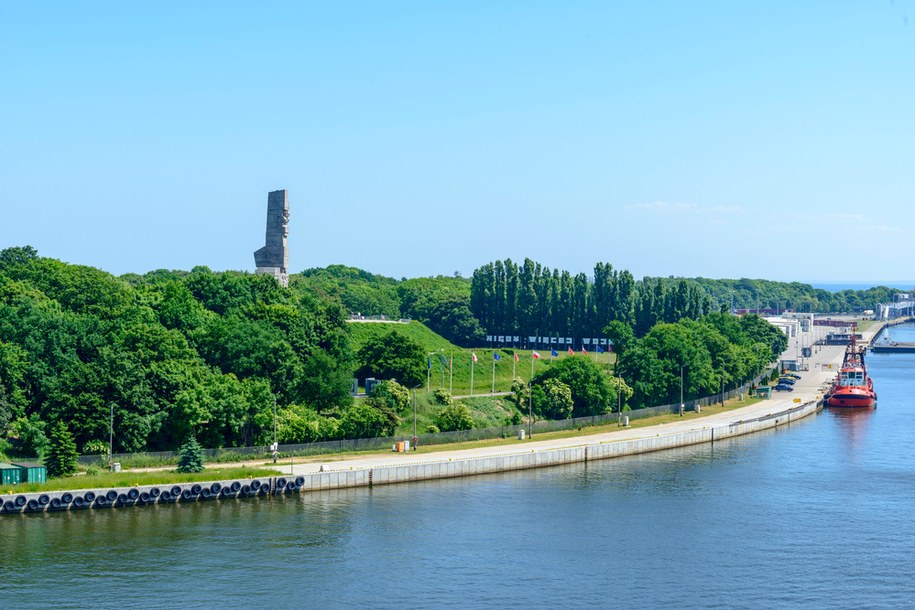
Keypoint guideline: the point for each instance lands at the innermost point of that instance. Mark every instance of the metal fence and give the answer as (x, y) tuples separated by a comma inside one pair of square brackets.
[(440, 438)]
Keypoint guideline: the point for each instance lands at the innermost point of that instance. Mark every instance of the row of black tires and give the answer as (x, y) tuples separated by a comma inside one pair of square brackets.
[(155, 495)]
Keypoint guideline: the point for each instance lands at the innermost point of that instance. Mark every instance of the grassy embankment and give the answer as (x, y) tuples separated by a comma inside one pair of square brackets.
[(487, 411), (437, 346)]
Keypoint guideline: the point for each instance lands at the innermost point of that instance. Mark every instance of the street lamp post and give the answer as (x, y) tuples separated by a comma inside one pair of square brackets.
[(682, 406), (530, 409), (619, 401), (111, 437), (275, 446)]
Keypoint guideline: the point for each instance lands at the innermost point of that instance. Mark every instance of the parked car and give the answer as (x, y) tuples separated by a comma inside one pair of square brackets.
[(787, 380), (783, 387), (792, 375)]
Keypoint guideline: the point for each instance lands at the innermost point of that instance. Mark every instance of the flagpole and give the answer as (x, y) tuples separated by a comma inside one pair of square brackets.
[(530, 400), (514, 365), (451, 374), (471, 373), (428, 372), (492, 392)]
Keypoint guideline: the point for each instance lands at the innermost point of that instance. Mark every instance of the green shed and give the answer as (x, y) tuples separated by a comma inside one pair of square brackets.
[(10, 475), (32, 472)]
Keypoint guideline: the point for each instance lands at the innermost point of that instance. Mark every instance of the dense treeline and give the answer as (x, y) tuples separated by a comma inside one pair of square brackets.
[(719, 351), (766, 294), (503, 297), (180, 353), (530, 299), (171, 354)]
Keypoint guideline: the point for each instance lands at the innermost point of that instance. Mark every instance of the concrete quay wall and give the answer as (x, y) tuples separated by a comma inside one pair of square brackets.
[(390, 474), (141, 495), (405, 473)]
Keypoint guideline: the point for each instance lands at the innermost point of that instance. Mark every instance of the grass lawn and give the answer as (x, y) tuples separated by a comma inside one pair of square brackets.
[(458, 382), (542, 436)]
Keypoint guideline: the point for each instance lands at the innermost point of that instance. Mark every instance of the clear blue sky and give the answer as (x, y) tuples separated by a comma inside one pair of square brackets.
[(722, 139)]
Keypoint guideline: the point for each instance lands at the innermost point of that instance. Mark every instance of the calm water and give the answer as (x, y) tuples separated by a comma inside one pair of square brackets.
[(818, 514)]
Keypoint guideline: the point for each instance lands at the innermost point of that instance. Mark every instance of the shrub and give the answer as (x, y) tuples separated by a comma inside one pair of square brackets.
[(442, 397), (368, 419), (95, 447), (520, 392), (391, 395), (454, 417), (432, 429)]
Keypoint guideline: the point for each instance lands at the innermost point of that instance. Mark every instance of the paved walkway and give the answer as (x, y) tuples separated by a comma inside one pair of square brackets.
[(809, 387)]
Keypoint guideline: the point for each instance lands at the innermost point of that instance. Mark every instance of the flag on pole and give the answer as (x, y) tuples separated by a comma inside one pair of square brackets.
[(429, 363), (571, 353), (600, 350), (610, 347), (516, 357), (443, 360), (473, 355), (496, 356), (451, 362), (535, 355), (553, 352), (583, 350)]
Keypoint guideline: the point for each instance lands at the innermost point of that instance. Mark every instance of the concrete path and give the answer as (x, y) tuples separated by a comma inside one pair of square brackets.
[(810, 387)]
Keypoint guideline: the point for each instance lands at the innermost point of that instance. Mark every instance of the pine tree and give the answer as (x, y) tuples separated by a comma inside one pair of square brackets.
[(62, 455), (191, 456)]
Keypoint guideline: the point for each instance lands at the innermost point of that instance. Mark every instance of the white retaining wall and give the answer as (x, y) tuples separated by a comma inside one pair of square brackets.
[(404, 473)]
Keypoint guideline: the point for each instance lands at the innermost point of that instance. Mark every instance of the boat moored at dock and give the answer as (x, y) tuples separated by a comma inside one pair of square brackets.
[(853, 388)]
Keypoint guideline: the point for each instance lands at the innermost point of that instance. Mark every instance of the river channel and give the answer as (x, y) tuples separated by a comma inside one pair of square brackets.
[(819, 513)]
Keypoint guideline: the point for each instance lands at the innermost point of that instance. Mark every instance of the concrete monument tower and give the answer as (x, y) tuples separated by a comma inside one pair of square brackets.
[(273, 258)]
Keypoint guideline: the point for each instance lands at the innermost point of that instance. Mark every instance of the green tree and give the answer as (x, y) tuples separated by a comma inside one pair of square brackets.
[(592, 392), (62, 455), (325, 383), (367, 419), (552, 400), (298, 424), (393, 356), (621, 334), (454, 321), (454, 417), (28, 436), (190, 457), (520, 392)]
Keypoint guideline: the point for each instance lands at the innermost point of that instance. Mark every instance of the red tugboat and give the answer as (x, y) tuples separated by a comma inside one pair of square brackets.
[(854, 388)]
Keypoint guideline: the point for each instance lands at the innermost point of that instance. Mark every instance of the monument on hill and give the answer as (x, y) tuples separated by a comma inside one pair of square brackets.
[(273, 258)]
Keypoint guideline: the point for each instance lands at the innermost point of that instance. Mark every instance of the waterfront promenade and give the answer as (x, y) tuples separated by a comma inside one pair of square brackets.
[(822, 368)]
